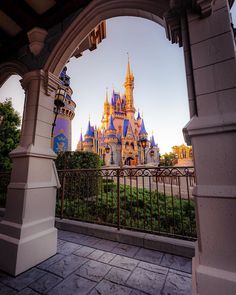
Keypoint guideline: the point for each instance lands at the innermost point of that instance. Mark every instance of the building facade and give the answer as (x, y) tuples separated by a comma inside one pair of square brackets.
[(183, 155), (122, 138)]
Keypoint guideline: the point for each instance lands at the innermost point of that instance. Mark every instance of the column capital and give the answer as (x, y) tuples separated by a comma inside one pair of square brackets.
[(50, 81), (30, 76)]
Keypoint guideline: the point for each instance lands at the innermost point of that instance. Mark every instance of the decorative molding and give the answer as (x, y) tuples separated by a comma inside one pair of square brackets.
[(36, 38), (203, 6), (178, 8), (173, 28)]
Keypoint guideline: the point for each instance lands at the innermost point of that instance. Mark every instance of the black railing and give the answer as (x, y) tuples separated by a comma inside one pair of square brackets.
[(156, 200)]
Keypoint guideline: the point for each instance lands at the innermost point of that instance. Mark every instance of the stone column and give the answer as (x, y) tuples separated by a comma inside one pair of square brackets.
[(27, 232), (212, 132)]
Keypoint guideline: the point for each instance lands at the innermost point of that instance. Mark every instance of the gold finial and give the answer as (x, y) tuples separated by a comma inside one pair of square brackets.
[(129, 74), (142, 114)]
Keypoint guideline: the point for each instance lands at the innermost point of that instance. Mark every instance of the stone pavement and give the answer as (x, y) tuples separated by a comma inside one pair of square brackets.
[(88, 265)]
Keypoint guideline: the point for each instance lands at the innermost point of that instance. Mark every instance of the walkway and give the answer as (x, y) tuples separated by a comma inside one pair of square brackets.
[(88, 265)]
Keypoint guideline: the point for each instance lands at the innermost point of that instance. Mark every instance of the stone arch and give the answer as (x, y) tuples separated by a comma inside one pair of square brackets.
[(91, 16), (11, 68)]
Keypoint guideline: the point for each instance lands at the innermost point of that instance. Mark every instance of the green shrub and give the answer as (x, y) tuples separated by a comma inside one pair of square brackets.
[(83, 184), (77, 160)]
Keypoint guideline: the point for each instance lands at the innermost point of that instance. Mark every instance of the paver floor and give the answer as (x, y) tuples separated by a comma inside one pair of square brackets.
[(87, 265)]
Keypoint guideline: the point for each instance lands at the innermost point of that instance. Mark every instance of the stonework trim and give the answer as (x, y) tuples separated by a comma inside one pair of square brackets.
[(215, 191)]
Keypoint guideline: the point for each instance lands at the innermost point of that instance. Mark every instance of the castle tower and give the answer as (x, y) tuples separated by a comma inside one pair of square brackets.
[(111, 140), (129, 87), (80, 143), (106, 112), (88, 139), (62, 131)]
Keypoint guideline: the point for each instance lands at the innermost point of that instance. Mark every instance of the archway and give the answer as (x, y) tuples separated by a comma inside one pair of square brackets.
[(129, 161), (210, 71)]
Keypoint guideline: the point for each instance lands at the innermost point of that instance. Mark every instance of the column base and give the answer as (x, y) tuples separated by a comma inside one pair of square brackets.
[(209, 280), (18, 255)]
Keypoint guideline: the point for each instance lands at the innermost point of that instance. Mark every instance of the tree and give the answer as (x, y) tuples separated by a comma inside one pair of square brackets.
[(9, 132), (167, 159)]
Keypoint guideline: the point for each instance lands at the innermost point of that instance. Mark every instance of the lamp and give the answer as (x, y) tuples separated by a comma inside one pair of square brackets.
[(144, 145), (107, 150), (143, 142), (152, 153), (59, 103)]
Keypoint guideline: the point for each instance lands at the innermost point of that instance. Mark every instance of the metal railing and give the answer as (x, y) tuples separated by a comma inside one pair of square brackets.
[(155, 200)]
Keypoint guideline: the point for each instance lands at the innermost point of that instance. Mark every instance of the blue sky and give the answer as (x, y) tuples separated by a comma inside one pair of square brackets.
[(160, 84)]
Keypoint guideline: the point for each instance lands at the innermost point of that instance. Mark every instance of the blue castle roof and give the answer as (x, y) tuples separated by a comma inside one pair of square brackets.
[(143, 129), (90, 130), (126, 124), (153, 141), (139, 117), (81, 137), (114, 98), (111, 124)]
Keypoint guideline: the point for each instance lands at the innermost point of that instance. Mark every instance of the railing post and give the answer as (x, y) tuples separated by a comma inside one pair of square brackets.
[(118, 199), (62, 195)]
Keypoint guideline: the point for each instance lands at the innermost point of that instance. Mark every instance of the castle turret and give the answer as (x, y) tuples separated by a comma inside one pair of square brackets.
[(62, 131), (143, 133), (80, 143), (129, 87), (88, 139)]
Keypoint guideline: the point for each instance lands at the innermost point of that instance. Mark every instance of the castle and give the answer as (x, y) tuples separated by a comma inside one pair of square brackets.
[(122, 139)]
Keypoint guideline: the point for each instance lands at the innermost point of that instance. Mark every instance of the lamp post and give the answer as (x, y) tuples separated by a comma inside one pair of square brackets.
[(59, 103), (108, 147), (144, 145), (103, 157)]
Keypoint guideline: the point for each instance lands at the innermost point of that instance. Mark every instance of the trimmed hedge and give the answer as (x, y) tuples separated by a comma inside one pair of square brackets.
[(85, 184), (77, 160)]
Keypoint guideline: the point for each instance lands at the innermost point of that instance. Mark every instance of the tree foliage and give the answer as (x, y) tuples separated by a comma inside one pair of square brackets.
[(167, 159), (9, 132)]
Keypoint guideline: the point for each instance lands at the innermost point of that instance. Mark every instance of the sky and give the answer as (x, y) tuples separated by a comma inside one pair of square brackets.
[(160, 91)]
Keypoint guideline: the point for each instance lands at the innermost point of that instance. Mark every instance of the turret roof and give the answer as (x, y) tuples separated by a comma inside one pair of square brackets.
[(111, 124), (90, 130), (126, 125), (138, 117), (143, 129), (153, 141)]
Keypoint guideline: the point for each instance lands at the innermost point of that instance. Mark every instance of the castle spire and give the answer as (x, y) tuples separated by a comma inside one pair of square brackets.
[(129, 87), (129, 74), (143, 131), (81, 136)]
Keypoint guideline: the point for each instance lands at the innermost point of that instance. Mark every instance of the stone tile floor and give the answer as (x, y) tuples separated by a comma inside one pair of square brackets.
[(88, 265)]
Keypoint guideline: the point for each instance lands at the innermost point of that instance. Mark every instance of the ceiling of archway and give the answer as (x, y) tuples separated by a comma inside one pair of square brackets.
[(19, 17)]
